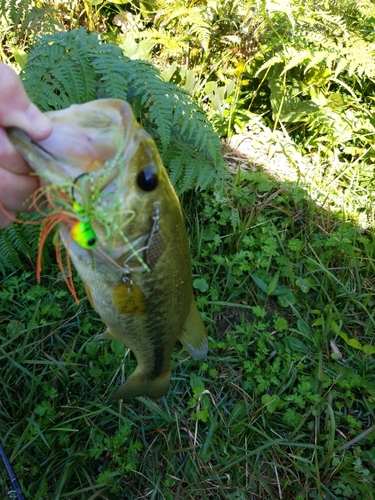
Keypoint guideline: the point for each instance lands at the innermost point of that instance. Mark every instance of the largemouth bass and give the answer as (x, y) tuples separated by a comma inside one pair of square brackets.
[(121, 223)]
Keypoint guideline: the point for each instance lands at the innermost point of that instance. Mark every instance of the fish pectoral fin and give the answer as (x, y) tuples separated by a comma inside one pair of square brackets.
[(140, 384), (193, 336)]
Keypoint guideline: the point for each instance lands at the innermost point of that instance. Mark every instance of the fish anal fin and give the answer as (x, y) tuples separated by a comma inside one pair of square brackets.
[(140, 384), (193, 336), (129, 298)]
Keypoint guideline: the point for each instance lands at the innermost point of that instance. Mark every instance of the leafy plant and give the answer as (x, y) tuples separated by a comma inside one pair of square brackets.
[(316, 67), (197, 35), (76, 67), (19, 22), (19, 245)]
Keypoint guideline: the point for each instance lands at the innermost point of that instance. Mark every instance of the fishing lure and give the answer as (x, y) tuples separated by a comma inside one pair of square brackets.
[(57, 210), (82, 231), (84, 235), (59, 206)]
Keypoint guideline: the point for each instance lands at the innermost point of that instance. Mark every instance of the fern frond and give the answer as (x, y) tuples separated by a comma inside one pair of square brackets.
[(194, 18), (162, 37), (106, 61), (76, 67), (15, 11), (60, 78), (190, 168), (159, 112), (279, 58), (315, 59), (173, 15), (295, 58), (24, 19), (9, 260), (39, 19), (18, 245), (360, 56), (324, 38)]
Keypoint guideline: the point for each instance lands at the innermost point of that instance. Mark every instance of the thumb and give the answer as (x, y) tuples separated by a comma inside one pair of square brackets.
[(16, 109)]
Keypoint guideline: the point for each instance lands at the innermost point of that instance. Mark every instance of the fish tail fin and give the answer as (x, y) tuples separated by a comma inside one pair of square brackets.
[(140, 384), (194, 336)]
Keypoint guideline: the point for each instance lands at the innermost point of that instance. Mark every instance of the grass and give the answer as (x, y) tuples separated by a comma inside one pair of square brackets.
[(283, 406)]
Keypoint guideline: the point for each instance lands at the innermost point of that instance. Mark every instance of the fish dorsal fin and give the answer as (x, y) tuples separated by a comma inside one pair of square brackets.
[(193, 335), (129, 298)]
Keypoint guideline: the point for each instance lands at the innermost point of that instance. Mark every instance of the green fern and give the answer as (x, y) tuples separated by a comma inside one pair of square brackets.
[(19, 245), (61, 75), (314, 54), (323, 38), (179, 30), (20, 20), (75, 67)]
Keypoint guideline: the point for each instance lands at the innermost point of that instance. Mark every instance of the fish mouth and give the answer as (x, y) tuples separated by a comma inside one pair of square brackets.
[(87, 154), (84, 138), (84, 168)]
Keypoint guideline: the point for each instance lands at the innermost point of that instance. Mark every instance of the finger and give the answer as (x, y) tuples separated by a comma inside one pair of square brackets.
[(10, 158), (16, 191), (16, 109), (4, 220)]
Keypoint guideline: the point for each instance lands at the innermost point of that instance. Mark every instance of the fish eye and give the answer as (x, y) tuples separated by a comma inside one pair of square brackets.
[(91, 242), (147, 178)]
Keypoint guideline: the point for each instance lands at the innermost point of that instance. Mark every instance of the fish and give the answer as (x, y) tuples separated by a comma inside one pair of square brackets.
[(121, 223)]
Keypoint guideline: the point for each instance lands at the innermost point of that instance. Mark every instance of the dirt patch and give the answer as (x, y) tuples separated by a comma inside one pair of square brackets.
[(266, 151)]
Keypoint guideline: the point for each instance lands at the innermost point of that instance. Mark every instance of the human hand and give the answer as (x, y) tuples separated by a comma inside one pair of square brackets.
[(16, 110)]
